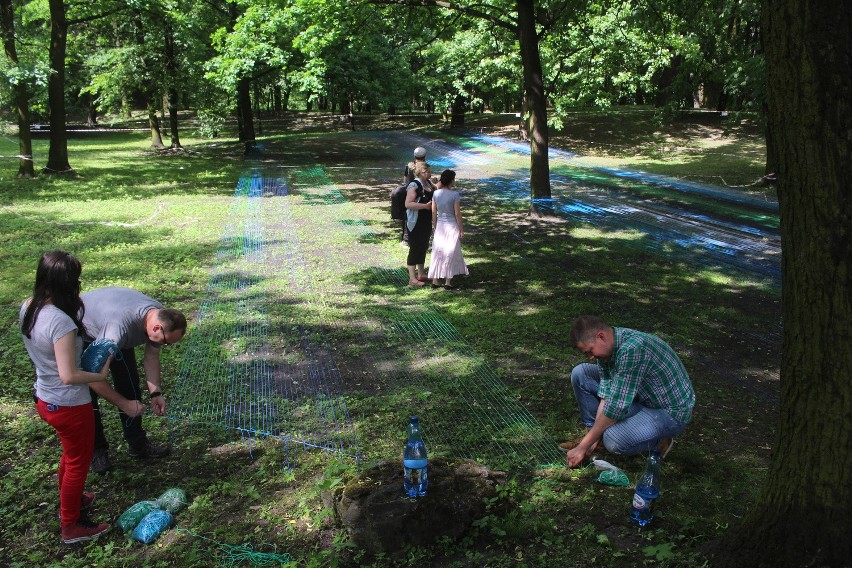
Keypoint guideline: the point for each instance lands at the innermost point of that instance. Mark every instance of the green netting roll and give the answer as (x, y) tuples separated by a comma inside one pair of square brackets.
[(135, 513), (172, 500)]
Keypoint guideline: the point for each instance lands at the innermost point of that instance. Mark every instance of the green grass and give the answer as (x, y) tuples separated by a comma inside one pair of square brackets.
[(529, 278)]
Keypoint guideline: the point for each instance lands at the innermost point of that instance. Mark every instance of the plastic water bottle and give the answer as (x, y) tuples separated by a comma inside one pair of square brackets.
[(647, 492), (415, 462)]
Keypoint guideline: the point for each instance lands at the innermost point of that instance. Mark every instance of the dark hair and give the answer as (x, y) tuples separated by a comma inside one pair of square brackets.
[(584, 327), (448, 177), (57, 282), (172, 320)]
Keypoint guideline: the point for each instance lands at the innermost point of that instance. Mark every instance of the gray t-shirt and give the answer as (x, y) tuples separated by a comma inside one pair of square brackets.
[(50, 326), (445, 201), (118, 314)]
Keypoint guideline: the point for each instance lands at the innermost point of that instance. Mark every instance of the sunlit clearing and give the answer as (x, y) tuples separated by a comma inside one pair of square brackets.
[(592, 233)]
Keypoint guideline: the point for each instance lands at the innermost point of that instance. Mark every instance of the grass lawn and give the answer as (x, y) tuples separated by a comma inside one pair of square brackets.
[(307, 273)]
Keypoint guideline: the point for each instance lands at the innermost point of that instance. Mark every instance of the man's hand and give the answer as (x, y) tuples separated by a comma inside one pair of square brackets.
[(576, 455), (158, 405), (132, 408)]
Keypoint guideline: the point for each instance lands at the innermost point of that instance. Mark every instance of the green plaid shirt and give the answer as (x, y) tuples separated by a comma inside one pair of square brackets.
[(644, 369)]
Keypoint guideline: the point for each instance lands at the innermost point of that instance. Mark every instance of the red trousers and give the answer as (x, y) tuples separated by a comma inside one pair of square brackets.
[(75, 426)]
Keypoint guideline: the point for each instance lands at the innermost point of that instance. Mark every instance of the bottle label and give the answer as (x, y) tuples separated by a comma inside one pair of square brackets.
[(639, 502)]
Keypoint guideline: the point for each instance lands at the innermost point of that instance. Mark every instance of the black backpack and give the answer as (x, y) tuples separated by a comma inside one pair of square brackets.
[(398, 201)]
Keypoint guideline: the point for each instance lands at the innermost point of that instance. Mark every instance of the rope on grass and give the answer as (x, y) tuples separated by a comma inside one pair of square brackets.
[(236, 555)]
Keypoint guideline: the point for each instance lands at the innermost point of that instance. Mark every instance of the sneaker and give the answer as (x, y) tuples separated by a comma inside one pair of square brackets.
[(100, 461), (665, 447), (148, 450), (82, 530), (403, 243)]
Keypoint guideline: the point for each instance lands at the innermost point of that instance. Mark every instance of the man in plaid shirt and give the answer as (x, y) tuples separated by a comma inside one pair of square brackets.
[(634, 396)]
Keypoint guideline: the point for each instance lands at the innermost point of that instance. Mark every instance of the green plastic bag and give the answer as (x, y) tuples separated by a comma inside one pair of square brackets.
[(172, 500), (135, 513)]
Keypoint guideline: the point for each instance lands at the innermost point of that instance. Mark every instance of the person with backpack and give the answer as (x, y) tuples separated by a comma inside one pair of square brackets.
[(407, 178), (418, 204)]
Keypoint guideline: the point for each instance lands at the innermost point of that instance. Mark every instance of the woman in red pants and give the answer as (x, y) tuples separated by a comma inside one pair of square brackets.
[(52, 328)]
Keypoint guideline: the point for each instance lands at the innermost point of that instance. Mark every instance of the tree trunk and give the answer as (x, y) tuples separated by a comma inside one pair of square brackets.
[(802, 517), (524, 124), (257, 109), (154, 123), (57, 155), (534, 84), (20, 94), (91, 110), (173, 119), (457, 112), (245, 118), (664, 80), (771, 168), (173, 99), (276, 99)]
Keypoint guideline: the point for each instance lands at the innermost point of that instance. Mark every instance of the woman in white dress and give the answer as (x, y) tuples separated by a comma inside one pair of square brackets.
[(447, 260)]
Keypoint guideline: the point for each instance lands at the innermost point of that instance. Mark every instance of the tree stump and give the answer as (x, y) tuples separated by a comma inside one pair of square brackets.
[(381, 518)]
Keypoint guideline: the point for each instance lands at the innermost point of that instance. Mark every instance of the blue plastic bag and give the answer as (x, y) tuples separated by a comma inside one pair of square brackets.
[(96, 354), (152, 526)]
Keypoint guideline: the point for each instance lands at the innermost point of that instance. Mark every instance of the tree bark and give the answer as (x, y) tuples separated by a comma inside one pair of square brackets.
[(20, 94), (171, 67), (57, 155), (91, 110), (457, 111), (154, 124), (245, 118), (173, 119), (802, 517), (534, 85)]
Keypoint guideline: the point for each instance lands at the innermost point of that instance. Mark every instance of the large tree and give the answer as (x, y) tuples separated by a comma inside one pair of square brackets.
[(57, 154), (20, 91), (804, 515)]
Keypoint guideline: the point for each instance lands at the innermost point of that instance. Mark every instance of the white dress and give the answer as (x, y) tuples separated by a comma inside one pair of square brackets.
[(447, 260)]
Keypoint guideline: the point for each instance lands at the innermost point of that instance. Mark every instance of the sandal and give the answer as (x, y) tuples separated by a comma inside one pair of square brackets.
[(416, 283), (450, 287)]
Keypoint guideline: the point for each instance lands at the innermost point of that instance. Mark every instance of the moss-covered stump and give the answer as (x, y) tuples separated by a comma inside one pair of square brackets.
[(381, 518)]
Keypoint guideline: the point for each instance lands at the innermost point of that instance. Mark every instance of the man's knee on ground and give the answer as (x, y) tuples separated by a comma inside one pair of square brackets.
[(577, 374)]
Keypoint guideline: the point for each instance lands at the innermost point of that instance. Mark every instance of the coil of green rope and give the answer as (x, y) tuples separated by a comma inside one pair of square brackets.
[(236, 555)]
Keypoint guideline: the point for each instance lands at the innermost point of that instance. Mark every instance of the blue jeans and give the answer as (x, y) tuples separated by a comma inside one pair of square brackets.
[(639, 432)]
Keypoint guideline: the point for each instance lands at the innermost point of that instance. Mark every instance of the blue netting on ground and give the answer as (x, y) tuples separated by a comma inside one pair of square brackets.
[(232, 374), (261, 357)]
